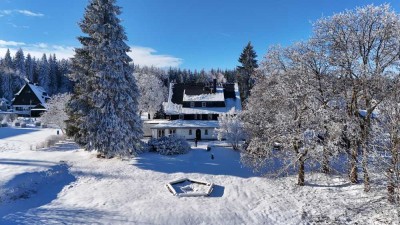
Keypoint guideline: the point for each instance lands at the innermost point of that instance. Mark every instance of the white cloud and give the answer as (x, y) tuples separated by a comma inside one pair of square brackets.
[(36, 50), (17, 26), (145, 56), (11, 43), (29, 13), (24, 12)]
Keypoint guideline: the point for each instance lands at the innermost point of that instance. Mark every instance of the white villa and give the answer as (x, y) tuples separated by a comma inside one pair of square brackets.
[(192, 110)]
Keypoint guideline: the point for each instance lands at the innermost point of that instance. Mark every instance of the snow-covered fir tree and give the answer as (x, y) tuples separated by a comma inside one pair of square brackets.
[(246, 70), (7, 75), (53, 73), (104, 107), (20, 70), (29, 67), (44, 73)]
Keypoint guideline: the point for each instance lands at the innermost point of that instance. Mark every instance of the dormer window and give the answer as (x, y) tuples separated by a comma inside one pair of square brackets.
[(203, 104), (191, 104)]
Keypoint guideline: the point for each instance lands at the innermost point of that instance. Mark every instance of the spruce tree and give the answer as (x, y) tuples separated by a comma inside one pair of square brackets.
[(104, 106), (44, 73), (7, 73), (19, 70), (29, 67), (246, 70)]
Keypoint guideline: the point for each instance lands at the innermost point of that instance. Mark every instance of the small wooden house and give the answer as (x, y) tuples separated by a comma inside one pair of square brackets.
[(30, 100)]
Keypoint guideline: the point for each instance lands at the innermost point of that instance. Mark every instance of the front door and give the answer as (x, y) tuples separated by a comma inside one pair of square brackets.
[(198, 134)]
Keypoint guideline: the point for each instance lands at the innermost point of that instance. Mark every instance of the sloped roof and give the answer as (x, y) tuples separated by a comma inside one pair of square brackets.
[(174, 104), (207, 97), (39, 91), (200, 92)]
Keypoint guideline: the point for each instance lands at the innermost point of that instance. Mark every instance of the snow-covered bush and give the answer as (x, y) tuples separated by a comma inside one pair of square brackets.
[(50, 141), (169, 145)]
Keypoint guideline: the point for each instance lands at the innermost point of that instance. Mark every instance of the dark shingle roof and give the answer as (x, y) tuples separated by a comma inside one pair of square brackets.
[(198, 89)]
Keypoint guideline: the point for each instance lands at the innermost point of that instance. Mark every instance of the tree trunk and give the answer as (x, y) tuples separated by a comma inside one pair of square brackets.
[(365, 136), (353, 165), (391, 185), (367, 186), (325, 162), (300, 180), (392, 177)]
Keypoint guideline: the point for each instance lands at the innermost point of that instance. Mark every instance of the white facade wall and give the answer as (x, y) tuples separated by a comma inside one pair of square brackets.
[(184, 132)]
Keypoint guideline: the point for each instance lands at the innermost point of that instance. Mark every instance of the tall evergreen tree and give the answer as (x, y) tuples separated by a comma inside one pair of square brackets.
[(6, 79), (104, 108), (29, 67), (53, 72), (19, 70), (44, 73), (246, 70)]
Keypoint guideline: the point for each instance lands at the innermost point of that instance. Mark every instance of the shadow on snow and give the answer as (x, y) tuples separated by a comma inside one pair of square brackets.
[(6, 132), (225, 162), (31, 190)]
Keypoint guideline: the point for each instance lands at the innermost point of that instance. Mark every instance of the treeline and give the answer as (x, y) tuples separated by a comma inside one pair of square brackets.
[(188, 76), (48, 72), (52, 74)]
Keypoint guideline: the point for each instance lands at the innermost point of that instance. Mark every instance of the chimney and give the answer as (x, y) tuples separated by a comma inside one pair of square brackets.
[(215, 85)]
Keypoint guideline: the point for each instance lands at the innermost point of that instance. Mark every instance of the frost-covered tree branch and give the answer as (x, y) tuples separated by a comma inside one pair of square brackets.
[(231, 129), (56, 112)]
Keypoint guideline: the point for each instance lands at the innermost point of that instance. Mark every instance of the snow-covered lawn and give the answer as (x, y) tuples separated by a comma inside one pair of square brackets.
[(67, 185)]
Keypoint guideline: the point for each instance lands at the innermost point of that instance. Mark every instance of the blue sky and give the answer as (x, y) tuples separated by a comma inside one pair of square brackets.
[(192, 34)]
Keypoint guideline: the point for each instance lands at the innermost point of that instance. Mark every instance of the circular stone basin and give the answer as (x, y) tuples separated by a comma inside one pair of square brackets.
[(186, 187)]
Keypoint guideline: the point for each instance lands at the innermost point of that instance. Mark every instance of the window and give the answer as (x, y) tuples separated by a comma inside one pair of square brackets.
[(200, 116), (195, 116), (161, 133), (191, 104), (172, 131), (181, 116), (205, 132), (203, 104), (209, 116), (190, 132)]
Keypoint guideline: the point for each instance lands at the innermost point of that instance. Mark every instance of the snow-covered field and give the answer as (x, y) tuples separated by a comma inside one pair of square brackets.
[(66, 185)]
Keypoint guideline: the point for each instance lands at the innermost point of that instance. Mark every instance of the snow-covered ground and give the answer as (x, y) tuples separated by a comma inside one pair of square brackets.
[(66, 185)]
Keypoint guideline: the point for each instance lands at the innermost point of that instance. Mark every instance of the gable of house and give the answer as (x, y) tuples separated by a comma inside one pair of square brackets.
[(30, 95)]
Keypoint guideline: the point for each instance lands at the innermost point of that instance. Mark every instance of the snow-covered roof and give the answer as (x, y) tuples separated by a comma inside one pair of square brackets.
[(230, 103), (212, 97), (40, 93), (188, 124)]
